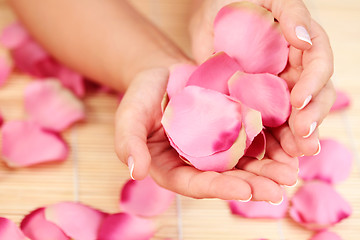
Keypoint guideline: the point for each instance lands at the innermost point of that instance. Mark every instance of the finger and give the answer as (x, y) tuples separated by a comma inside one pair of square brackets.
[(171, 173), (284, 135), (134, 120), (312, 116), (294, 68), (318, 68), (294, 19), (278, 172), (263, 189), (275, 152)]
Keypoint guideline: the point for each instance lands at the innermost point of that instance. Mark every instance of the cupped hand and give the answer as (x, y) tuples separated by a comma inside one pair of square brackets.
[(308, 71), (142, 144)]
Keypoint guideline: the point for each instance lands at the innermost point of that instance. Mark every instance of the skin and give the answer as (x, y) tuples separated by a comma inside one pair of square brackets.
[(138, 64)]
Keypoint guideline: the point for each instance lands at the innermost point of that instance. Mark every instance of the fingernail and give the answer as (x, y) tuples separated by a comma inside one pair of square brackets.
[(312, 129), (303, 34), (297, 180), (278, 203), (306, 102), (131, 166), (298, 171), (319, 149), (302, 155), (247, 200)]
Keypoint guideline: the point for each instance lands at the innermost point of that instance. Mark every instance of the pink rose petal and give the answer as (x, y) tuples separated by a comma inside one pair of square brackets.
[(78, 221), (257, 147), (1, 120), (202, 122), (253, 123), (332, 164), (178, 78), (342, 101), (259, 209), (316, 205), (52, 106), (72, 80), (13, 36), (248, 33), (126, 227), (214, 73), (265, 93), (9, 230), (145, 198), (25, 143), (36, 227), (326, 235), (5, 70)]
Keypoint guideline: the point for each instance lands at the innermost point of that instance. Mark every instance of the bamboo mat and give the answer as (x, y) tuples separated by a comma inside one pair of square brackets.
[(92, 174)]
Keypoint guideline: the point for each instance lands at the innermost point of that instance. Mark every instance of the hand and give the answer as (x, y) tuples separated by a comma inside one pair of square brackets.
[(307, 74), (139, 134)]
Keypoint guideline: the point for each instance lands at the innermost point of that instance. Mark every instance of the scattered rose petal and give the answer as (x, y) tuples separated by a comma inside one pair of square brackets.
[(52, 106), (72, 80), (202, 122), (326, 235), (253, 123), (257, 147), (259, 209), (36, 227), (248, 33), (5, 70), (78, 221), (332, 164), (145, 198), (342, 101), (25, 143), (13, 36), (1, 120), (215, 73), (9, 230), (316, 205), (178, 78), (129, 227), (265, 93)]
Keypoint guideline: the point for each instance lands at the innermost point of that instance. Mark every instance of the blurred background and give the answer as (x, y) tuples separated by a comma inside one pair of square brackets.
[(92, 174)]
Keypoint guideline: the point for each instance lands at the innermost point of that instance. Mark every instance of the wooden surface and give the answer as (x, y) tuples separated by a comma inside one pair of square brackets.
[(93, 175)]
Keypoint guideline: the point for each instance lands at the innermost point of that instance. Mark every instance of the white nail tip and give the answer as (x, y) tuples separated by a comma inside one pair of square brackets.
[(278, 203), (247, 200), (303, 34), (312, 129), (306, 102), (319, 149), (131, 166)]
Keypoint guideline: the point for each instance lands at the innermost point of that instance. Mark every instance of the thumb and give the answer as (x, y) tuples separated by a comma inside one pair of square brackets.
[(135, 119), (295, 21)]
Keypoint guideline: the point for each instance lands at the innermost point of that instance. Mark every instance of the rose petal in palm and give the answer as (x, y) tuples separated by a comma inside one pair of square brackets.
[(265, 93), (77, 220), (52, 106), (248, 33), (36, 227), (126, 226), (145, 198), (201, 122), (332, 164), (257, 147), (9, 230), (214, 73), (25, 143), (178, 78), (13, 35), (316, 205)]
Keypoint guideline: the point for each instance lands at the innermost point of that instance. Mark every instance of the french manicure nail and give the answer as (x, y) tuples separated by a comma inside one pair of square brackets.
[(278, 203), (303, 34), (319, 149), (312, 129), (247, 200), (306, 102), (131, 166), (297, 180)]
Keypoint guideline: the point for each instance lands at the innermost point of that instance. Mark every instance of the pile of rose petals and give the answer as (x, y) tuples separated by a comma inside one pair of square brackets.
[(214, 111), (71, 220)]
